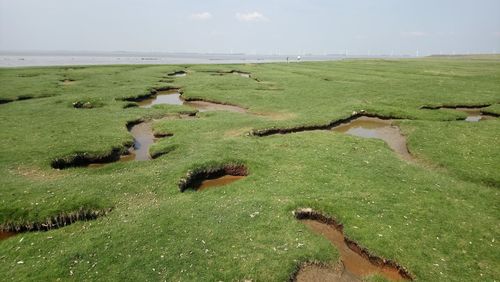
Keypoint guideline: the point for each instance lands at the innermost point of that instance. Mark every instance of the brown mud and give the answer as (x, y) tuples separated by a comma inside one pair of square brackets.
[(220, 181), (54, 222), (357, 261), (6, 234), (204, 178)]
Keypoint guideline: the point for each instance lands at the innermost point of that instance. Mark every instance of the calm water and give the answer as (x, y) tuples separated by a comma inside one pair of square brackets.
[(13, 59)]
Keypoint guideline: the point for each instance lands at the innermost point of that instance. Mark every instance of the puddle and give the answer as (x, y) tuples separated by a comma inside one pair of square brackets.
[(6, 234), (143, 139), (203, 179), (173, 97), (357, 262), (170, 97), (178, 74), (474, 114), (139, 151), (370, 127), (220, 181)]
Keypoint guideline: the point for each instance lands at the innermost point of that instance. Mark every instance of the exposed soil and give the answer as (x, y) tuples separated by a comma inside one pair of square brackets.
[(201, 179), (6, 234), (314, 272), (53, 222), (370, 127), (358, 262)]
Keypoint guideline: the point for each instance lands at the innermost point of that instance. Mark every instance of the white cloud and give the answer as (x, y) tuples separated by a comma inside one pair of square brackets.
[(203, 16), (414, 34), (251, 17)]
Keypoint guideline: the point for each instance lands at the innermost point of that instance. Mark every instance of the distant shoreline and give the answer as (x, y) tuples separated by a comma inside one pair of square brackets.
[(40, 59)]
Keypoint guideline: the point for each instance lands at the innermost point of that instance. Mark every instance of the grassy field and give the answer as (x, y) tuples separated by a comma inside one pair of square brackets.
[(439, 217)]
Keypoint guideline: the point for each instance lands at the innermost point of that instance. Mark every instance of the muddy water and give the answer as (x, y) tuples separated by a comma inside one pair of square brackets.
[(170, 97), (355, 265), (173, 97), (143, 139), (6, 234), (220, 181), (369, 127), (474, 114)]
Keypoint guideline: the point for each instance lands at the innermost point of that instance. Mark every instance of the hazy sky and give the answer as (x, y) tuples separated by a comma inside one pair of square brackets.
[(252, 26)]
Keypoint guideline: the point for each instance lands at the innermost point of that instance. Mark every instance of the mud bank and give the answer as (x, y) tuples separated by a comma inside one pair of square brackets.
[(357, 261), (474, 113), (6, 234), (204, 178), (63, 219)]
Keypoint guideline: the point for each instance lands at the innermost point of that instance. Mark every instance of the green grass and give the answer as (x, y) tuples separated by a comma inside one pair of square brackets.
[(439, 217)]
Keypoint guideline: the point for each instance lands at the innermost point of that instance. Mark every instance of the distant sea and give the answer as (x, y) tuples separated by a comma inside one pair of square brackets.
[(26, 59)]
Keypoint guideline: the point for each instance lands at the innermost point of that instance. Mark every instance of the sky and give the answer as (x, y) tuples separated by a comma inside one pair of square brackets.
[(253, 26)]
